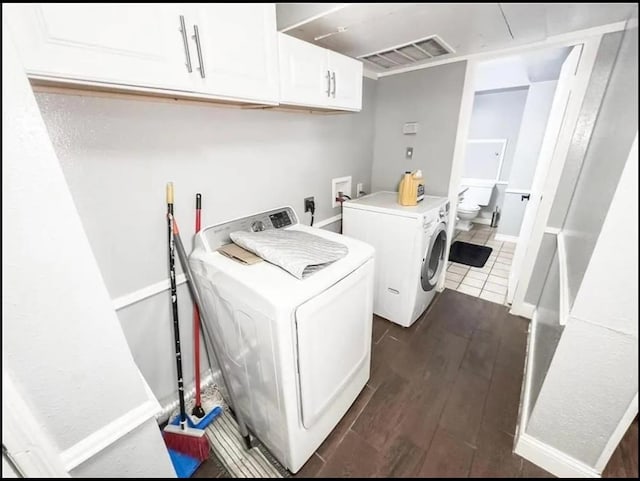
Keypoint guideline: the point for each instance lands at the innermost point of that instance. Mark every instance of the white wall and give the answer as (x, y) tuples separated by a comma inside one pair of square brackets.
[(501, 73), (117, 156), (62, 342), (431, 97)]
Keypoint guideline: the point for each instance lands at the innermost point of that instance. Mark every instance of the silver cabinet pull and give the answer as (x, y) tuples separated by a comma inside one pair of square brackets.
[(333, 77), (328, 84), (186, 43), (196, 36)]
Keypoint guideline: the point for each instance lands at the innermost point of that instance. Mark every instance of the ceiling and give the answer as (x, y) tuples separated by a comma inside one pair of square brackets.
[(360, 29)]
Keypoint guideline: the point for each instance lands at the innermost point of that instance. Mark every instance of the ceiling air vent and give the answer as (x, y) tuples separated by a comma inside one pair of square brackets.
[(410, 53)]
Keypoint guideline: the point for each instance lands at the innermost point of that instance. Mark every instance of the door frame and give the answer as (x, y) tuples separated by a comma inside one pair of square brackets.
[(590, 39)]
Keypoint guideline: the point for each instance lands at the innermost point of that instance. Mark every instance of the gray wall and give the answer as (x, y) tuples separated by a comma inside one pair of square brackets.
[(497, 114), (432, 98), (117, 156), (532, 129)]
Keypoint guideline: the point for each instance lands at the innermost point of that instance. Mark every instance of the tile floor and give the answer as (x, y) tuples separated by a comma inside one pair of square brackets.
[(490, 281)]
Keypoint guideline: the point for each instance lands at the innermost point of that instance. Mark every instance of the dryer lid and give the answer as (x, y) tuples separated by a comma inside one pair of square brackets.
[(276, 285)]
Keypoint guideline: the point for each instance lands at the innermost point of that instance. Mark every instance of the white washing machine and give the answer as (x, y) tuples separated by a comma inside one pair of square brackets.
[(298, 352), (410, 244)]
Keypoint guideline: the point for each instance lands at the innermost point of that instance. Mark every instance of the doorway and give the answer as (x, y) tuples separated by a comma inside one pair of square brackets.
[(520, 106)]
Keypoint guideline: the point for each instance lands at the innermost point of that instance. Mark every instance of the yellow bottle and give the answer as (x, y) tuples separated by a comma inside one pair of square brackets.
[(407, 191)]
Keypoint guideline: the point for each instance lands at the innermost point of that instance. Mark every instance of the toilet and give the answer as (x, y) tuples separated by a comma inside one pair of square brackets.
[(474, 194)]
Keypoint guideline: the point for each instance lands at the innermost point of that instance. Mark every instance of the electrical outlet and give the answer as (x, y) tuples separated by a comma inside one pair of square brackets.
[(358, 189), (309, 204)]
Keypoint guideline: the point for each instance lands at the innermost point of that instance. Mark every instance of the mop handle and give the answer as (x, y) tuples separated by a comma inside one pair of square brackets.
[(196, 315), (193, 288), (174, 304)]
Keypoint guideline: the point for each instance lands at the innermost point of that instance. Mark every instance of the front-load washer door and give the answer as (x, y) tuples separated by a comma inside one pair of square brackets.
[(434, 260), (334, 341)]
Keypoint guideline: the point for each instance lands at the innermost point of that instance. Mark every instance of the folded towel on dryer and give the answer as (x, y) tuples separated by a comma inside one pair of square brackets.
[(299, 253)]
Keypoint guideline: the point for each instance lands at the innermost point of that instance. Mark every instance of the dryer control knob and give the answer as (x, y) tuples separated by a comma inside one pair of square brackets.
[(257, 226)]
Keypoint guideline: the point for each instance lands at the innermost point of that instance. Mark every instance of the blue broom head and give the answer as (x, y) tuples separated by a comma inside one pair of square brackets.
[(202, 423), (184, 465)]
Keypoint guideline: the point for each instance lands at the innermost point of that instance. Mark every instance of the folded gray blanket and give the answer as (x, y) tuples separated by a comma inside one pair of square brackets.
[(299, 253)]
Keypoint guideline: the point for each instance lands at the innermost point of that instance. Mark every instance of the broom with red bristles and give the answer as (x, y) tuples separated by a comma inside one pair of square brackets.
[(180, 437)]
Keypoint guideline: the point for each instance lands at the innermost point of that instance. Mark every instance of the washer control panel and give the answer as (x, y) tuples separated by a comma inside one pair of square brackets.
[(218, 235)]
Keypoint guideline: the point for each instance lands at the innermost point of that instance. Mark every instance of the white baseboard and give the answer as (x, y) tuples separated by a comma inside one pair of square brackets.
[(525, 310), (328, 221), (551, 459), (507, 238)]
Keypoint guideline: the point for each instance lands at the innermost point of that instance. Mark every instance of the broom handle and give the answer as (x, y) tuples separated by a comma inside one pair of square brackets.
[(196, 315), (174, 304), (193, 288)]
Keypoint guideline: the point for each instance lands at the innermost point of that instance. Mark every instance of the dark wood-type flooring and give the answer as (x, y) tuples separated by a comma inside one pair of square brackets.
[(442, 401)]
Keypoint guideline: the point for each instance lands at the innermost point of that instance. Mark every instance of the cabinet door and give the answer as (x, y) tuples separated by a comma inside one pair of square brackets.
[(128, 44), (304, 75), (346, 81), (238, 50)]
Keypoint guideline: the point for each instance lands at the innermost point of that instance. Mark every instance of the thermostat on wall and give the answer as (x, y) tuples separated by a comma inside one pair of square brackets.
[(410, 128)]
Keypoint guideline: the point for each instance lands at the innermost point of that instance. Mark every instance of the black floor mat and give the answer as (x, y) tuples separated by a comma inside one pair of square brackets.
[(469, 254)]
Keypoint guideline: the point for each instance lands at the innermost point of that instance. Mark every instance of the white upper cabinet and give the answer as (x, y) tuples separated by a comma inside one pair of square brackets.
[(346, 81), (313, 76), (226, 51), (235, 50), (130, 44)]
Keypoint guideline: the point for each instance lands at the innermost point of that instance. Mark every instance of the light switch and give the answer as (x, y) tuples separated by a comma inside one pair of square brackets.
[(409, 153)]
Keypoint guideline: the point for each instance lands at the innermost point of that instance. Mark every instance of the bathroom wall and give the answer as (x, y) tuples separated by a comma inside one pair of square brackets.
[(62, 343), (431, 97), (497, 114), (118, 154)]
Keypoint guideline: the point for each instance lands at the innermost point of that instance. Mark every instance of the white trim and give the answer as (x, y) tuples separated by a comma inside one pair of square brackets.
[(459, 152), (517, 191), (369, 74), (618, 434), (148, 291), (524, 309), (28, 444), (551, 459), (481, 220), (328, 221), (525, 397), (564, 280), (107, 435), (558, 152), (562, 40), (552, 230), (507, 238), (314, 17)]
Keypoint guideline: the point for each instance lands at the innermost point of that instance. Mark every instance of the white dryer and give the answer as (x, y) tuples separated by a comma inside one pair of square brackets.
[(410, 244), (298, 352)]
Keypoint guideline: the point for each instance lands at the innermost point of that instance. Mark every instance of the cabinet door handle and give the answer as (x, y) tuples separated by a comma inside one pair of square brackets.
[(186, 43), (524, 197), (333, 77), (196, 36), (328, 84)]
